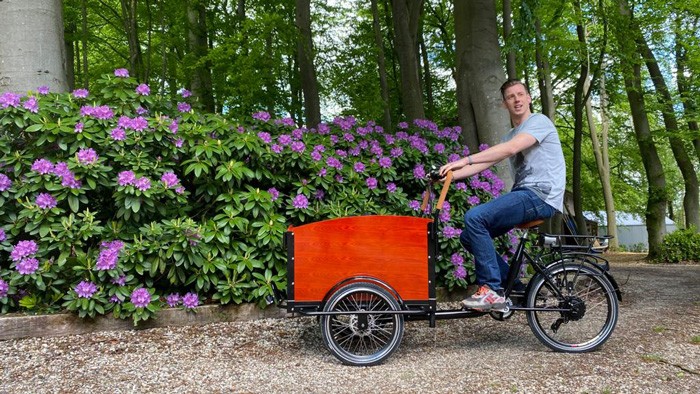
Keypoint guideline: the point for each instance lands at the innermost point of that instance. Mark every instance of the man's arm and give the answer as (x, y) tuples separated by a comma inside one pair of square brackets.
[(474, 164)]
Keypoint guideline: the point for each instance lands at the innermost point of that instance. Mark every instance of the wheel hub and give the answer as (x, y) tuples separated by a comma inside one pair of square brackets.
[(576, 306)]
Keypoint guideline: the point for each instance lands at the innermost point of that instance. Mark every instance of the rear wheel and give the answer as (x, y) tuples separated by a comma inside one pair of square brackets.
[(366, 338), (590, 304)]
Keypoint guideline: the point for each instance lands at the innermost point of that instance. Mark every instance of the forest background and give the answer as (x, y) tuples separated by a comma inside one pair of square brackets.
[(619, 78)]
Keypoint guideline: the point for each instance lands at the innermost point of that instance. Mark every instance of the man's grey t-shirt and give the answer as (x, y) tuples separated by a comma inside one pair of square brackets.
[(540, 168)]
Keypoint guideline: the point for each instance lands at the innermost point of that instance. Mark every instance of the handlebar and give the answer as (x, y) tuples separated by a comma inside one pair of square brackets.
[(434, 177)]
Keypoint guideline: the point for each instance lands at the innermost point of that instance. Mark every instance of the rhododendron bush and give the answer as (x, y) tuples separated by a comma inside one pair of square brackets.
[(117, 200)]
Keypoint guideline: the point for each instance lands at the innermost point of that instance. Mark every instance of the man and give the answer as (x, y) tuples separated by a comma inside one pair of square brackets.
[(539, 173)]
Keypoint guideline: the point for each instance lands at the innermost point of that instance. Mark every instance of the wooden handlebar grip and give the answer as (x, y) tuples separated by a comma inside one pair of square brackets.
[(426, 197), (443, 193)]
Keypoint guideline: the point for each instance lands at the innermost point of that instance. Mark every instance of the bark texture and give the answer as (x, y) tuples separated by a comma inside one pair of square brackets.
[(32, 50)]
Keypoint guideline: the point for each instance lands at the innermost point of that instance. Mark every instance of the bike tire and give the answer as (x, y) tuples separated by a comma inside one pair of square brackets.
[(362, 340), (591, 300)]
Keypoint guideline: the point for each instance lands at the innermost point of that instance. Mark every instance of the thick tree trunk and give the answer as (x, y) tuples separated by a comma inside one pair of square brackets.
[(406, 16), (198, 43), (32, 46), (689, 107), (691, 199), (381, 68), (480, 75), (657, 200), (600, 151), (309, 83)]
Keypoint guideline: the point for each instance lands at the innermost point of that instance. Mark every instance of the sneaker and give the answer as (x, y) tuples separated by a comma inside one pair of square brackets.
[(485, 300)]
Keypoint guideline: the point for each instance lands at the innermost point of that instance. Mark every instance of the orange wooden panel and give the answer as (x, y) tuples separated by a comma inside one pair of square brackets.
[(393, 249)]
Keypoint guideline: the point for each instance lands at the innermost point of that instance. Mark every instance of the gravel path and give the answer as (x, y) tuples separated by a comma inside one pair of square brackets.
[(654, 349)]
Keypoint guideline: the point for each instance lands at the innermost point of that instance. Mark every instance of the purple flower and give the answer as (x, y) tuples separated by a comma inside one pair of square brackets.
[(190, 300), (43, 90), (371, 183), (118, 134), (419, 171), (300, 202), (185, 93), (2, 234), (45, 201), (359, 167), (414, 205), (184, 107), (28, 266), (333, 162), (174, 126), (23, 249), (115, 299), (80, 93), (297, 146), (385, 162), (143, 183), (450, 232), (86, 156), (460, 272), (120, 281), (396, 152), (391, 187), (5, 182), (140, 297), (473, 200), (102, 112), (79, 127), (121, 73), (126, 178), (109, 255), (143, 89), (265, 136), (274, 193), (316, 156), (9, 99), (85, 289), (139, 123), (4, 288), (42, 166), (262, 115), (172, 300), (169, 179), (439, 148), (402, 125), (31, 105), (285, 139), (457, 259), (179, 142), (180, 190)]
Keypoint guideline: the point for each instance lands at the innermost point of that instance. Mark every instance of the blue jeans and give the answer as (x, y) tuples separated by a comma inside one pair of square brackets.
[(495, 218)]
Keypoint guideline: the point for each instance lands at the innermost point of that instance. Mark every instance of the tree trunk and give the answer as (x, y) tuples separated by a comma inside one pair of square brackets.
[(381, 67), (507, 31), (132, 37), (309, 83), (544, 77), (406, 16), (198, 44), (69, 43), (84, 44), (691, 199), (32, 46), (479, 76), (427, 81), (656, 202), (600, 151), (579, 103)]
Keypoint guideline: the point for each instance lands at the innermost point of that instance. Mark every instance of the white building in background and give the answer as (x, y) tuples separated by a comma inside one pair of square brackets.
[(631, 229)]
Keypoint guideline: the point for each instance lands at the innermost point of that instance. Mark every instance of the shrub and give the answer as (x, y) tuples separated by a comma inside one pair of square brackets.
[(122, 202), (680, 246)]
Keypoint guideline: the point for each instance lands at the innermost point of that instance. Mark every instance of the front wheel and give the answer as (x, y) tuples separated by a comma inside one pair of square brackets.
[(578, 308), (365, 338)]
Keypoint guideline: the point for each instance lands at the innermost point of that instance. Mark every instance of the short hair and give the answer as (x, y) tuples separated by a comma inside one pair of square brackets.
[(512, 82)]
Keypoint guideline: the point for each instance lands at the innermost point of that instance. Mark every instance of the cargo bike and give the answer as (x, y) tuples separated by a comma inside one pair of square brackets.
[(364, 276)]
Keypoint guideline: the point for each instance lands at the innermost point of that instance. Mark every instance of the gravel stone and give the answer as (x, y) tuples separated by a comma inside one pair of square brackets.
[(655, 349)]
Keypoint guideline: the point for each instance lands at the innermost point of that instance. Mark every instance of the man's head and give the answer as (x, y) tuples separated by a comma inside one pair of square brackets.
[(516, 99)]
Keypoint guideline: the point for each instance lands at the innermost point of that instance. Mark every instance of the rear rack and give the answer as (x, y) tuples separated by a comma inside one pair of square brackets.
[(580, 243)]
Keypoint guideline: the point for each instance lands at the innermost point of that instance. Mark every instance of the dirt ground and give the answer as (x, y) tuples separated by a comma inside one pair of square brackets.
[(655, 348)]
